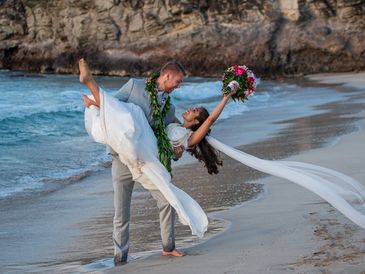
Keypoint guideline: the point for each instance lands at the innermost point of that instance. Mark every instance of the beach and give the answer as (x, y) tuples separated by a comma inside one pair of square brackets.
[(258, 224), (286, 230)]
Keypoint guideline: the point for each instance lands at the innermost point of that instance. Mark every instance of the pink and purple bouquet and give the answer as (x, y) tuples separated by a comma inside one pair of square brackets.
[(245, 78)]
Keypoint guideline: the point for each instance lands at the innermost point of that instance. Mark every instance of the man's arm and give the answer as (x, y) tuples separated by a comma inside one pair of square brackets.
[(125, 91), (178, 151), (171, 118)]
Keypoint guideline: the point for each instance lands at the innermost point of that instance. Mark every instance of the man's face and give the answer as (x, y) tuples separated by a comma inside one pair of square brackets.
[(172, 81)]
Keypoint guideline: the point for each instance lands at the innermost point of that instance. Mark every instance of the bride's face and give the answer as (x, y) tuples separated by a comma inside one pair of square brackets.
[(190, 114)]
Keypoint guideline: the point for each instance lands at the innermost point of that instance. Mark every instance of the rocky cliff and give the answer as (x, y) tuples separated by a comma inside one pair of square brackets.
[(134, 37)]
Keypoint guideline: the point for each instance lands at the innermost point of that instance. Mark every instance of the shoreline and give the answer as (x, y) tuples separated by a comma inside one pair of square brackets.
[(96, 197)]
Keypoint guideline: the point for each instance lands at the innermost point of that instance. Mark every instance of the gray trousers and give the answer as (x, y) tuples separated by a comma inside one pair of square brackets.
[(123, 188)]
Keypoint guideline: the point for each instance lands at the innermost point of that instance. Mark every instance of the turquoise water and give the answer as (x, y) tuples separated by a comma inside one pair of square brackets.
[(44, 147), (43, 143)]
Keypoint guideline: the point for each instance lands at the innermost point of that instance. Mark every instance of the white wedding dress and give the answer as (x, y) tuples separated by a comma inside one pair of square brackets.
[(125, 128)]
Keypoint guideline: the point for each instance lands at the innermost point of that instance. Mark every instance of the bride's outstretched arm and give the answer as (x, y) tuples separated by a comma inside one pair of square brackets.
[(199, 134)]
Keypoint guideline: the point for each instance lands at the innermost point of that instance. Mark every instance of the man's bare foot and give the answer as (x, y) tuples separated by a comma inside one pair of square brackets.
[(85, 75), (174, 253)]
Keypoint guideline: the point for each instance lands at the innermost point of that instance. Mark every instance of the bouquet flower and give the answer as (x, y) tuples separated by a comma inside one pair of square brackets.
[(245, 78)]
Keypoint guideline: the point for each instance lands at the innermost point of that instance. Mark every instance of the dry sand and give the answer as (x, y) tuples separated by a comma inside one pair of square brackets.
[(288, 229)]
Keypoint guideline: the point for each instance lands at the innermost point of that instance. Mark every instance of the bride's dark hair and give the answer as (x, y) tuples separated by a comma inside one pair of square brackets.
[(203, 151)]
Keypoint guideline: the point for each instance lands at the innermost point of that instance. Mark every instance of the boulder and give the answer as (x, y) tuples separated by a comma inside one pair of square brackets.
[(131, 37)]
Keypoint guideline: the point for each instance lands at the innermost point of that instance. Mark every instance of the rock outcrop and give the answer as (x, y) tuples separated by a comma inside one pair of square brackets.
[(280, 37)]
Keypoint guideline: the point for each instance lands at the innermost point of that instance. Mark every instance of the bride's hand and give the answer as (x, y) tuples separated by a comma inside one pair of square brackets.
[(234, 86), (229, 95)]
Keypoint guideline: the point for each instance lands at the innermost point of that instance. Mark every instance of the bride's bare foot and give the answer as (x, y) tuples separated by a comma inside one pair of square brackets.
[(85, 75), (173, 253)]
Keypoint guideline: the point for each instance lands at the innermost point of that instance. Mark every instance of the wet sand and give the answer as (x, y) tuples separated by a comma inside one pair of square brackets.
[(81, 214), (288, 230)]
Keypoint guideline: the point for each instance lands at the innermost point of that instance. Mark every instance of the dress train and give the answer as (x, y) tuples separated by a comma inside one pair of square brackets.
[(341, 191)]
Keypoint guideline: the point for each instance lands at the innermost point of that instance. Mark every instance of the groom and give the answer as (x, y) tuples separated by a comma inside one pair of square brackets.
[(134, 91)]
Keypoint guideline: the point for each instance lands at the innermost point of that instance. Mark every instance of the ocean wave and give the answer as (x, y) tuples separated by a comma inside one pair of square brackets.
[(23, 112), (14, 130), (31, 184), (192, 92), (261, 100)]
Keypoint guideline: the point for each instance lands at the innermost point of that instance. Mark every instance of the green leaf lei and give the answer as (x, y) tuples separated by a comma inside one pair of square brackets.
[(163, 142)]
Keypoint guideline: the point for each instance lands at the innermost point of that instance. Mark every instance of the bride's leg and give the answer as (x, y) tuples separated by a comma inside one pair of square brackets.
[(87, 79)]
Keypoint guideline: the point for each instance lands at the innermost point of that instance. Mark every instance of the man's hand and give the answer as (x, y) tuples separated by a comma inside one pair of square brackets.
[(178, 151)]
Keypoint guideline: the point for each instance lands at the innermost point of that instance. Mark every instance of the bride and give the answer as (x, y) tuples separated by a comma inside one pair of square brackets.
[(124, 127)]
